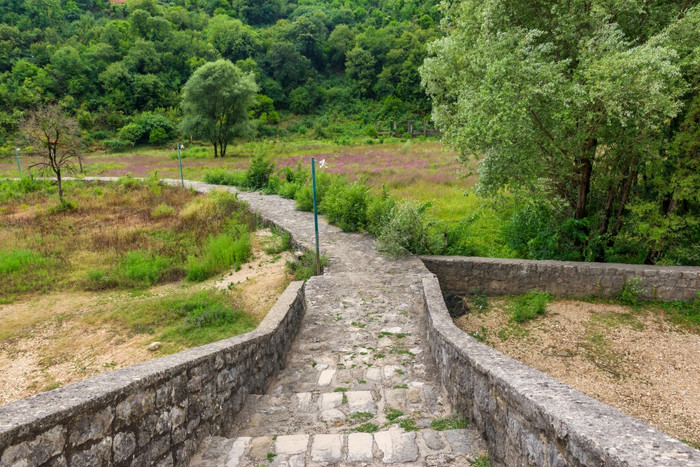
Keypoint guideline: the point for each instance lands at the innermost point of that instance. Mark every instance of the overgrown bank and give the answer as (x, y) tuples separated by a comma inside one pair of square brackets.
[(508, 226)]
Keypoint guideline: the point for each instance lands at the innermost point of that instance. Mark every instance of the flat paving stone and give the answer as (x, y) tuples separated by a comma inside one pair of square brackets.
[(326, 377), (360, 447), (237, 451), (361, 401), (327, 448), (291, 444), (397, 446)]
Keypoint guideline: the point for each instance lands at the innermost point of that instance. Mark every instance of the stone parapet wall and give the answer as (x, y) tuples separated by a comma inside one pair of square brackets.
[(461, 275), (529, 418), (156, 412)]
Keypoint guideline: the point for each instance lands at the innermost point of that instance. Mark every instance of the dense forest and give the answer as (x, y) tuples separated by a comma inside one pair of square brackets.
[(109, 63)]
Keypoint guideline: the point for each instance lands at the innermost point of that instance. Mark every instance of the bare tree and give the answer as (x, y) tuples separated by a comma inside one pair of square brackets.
[(54, 138)]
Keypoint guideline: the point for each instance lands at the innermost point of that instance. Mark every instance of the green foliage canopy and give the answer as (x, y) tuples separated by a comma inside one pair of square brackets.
[(571, 103), (215, 102)]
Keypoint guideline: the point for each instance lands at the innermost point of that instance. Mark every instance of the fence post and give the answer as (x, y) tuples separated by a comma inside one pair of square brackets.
[(179, 160), (313, 185), (19, 167)]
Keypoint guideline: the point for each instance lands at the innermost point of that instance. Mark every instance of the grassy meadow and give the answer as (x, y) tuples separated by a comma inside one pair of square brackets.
[(419, 170), (89, 284)]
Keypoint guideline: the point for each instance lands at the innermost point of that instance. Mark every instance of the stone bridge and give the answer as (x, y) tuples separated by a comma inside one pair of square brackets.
[(359, 366)]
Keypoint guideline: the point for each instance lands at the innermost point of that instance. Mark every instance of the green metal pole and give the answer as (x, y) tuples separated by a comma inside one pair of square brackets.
[(179, 160), (19, 167), (313, 184)]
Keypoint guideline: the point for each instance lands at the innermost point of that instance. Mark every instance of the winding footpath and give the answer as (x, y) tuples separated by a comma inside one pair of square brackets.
[(358, 387)]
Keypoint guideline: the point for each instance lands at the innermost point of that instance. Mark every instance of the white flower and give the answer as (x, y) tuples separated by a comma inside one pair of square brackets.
[(322, 164)]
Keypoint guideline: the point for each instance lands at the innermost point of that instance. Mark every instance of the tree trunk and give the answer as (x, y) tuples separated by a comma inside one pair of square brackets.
[(216, 149), (609, 201), (626, 190), (60, 185), (584, 187), (223, 148)]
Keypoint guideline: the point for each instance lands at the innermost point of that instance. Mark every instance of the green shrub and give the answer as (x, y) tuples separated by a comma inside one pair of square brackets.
[(161, 211), (117, 145), (529, 306), (99, 279), (288, 190), (305, 267), (140, 130), (258, 174), (304, 196), (131, 132), (346, 205), (405, 232), (379, 212), (222, 177), (158, 136), (631, 290)]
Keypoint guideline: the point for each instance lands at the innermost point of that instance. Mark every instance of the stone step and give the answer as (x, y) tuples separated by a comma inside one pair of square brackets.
[(325, 377), (340, 410), (386, 446)]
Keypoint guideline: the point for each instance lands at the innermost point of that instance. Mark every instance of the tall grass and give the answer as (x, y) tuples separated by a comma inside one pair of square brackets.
[(222, 252), (25, 270)]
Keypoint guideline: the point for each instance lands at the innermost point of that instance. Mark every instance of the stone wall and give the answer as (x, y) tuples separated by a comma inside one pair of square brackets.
[(529, 418), (462, 275), (153, 413)]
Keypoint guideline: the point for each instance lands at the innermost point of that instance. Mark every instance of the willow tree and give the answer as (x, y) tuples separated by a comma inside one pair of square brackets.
[(215, 103), (567, 100)]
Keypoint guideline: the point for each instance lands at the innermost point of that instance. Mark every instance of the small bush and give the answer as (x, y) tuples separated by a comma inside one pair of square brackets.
[(116, 145), (258, 174), (99, 279), (529, 306), (161, 211), (379, 212), (304, 196), (631, 290), (405, 231), (158, 136), (221, 177), (305, 267), (346, 205), (278, 243)]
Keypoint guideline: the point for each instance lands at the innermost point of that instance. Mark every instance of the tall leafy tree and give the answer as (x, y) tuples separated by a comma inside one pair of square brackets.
[(215, 103), (567, 100)]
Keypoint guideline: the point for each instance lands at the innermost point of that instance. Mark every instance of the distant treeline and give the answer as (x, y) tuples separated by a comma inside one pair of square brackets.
[(330, 62)]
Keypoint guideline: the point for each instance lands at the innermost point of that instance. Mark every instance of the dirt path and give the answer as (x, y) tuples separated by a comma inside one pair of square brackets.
[(638, 362)]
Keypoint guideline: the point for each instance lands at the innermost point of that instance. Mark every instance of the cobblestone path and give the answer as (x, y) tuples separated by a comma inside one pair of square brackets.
[(358, 387)]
